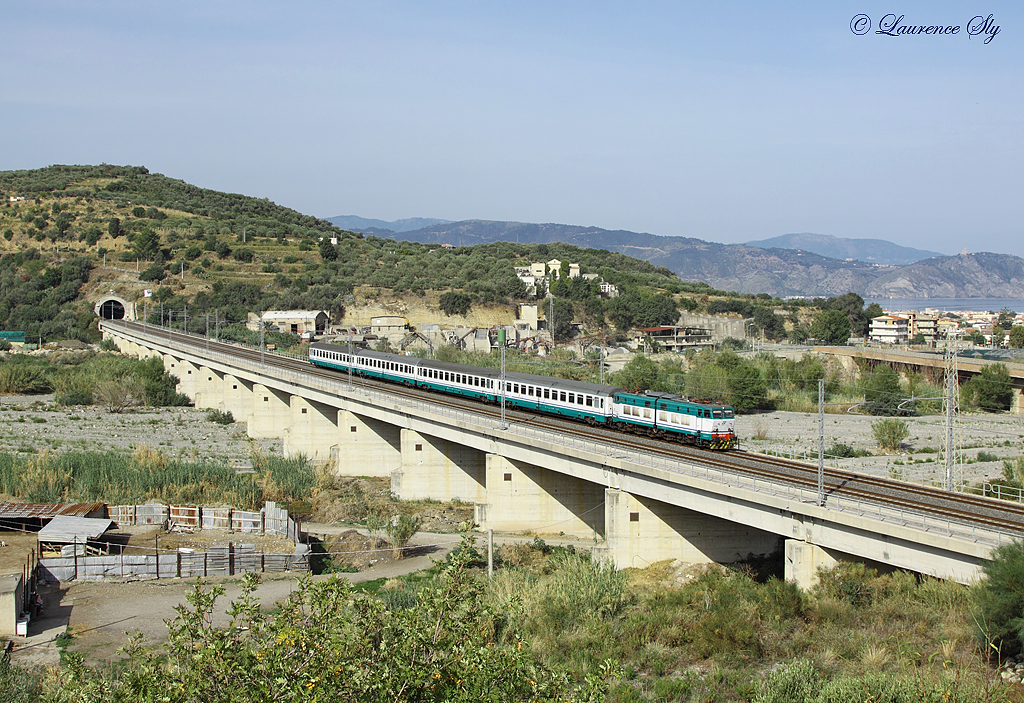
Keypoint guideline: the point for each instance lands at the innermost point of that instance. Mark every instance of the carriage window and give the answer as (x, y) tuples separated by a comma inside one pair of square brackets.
[(590, 401), (664, 407), (647, 403), (547, 394), (561, 396), (572, 397)]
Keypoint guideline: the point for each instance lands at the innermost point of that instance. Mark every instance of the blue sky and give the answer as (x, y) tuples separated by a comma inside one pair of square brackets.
[(722, 121)]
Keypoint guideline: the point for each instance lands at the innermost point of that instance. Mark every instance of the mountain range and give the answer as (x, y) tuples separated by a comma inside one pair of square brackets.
[(354, 223), (753, 269), (872, 251)]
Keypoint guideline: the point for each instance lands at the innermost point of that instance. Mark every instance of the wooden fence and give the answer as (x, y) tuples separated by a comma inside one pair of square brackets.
[(272, 520)]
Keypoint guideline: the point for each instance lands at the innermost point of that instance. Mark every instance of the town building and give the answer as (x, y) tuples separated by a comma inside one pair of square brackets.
[(308, 322), (674, 338), (890, 329)]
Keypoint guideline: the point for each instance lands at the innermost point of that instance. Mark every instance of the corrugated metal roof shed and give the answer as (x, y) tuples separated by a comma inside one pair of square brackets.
[(12, 511), (65, 529)]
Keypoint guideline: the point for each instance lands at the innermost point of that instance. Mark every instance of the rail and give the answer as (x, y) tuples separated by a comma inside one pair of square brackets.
[(903, 517)]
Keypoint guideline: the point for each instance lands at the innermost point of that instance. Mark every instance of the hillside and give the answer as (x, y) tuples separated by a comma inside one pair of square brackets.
[(749, 269), (73, 233), (872, 251), (365, 224)]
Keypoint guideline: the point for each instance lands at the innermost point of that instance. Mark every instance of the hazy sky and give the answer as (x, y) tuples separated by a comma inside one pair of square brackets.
[(723, 121)]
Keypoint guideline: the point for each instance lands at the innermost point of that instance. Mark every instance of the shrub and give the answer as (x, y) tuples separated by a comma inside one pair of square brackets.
[(845, 451), (400, 530), (987, 456), (799, 682), (220, 417), (882, 394), (999, 600), (992, 389), (454, 303), (244, 254), (73, 397), (890, 433)]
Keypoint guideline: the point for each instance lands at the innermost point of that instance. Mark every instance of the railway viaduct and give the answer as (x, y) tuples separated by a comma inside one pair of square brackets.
[(641, 506), (933, 365)]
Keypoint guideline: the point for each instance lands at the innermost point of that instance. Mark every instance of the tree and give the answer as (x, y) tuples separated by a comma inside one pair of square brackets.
[(747, 388), (328, 252), (563, 329), (917, 339), (1017, 336), (831, 326), (146, 244), (770, 323), (998, 335), (882, 394), (639, 374), (999, 599), (992, 388), (454, 303), (154, 272), (1005, 319), (244, 254), (114, 228)]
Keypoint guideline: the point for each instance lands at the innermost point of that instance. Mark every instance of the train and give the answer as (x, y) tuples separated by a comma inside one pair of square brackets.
[(705, 424)]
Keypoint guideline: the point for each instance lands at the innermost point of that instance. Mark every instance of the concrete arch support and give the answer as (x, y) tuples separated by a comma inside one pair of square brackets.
[(312, 430), (366, 447), (521, 496), (439, 469), (642, 531)]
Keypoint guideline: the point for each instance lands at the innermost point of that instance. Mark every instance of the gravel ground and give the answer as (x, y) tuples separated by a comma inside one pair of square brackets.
[(33, 423), (784, 432)]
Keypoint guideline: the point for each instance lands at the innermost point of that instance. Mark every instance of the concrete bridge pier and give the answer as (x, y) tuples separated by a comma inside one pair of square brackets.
[(522, 496), (439, 469), (209, 386), (312, 429), (185, 371), (803, 559), (642, 531), (366, 447), (271, 413), (236, 397)]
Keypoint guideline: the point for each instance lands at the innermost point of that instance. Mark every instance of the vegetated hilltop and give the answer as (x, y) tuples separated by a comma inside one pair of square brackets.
[(73, 233), (749, 269), (872, 251), (364, 224)]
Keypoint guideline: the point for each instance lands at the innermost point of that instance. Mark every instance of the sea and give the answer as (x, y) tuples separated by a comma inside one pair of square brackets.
[(949, 304)]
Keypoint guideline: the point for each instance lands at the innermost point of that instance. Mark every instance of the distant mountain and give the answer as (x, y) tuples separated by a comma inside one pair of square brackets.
[(354, 223), (872, 251), (748, 269)]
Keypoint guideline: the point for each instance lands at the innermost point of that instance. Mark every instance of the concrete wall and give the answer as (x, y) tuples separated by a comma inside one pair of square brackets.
[(271, 413), (12, 595), (523, 497), (642, 531), (366, 447), (312, 430), (439, 469)]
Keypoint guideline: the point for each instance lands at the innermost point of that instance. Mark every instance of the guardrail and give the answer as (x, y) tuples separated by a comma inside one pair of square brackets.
[(340, 387)]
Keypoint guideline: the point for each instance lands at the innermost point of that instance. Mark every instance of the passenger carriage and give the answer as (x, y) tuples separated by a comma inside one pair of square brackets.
[(704, 424)]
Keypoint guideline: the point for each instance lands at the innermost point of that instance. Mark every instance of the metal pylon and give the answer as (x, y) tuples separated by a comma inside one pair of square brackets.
[(951, 409)]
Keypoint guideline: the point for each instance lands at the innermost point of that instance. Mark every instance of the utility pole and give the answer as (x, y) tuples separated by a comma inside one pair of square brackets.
[(207, 331), (952, 413), (602, 362), (145, 313), (821, 441), (501, 343), (262, 345), (351, 360), (216, 325)]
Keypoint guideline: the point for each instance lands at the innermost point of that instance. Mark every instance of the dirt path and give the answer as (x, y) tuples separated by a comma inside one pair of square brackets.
[(100, 613)]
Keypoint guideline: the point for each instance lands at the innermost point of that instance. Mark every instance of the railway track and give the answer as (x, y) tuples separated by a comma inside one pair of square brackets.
[(962, 508)]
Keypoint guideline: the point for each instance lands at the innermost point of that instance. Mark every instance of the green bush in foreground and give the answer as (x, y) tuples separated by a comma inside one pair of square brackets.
[(331, 643), (1000, 601)]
